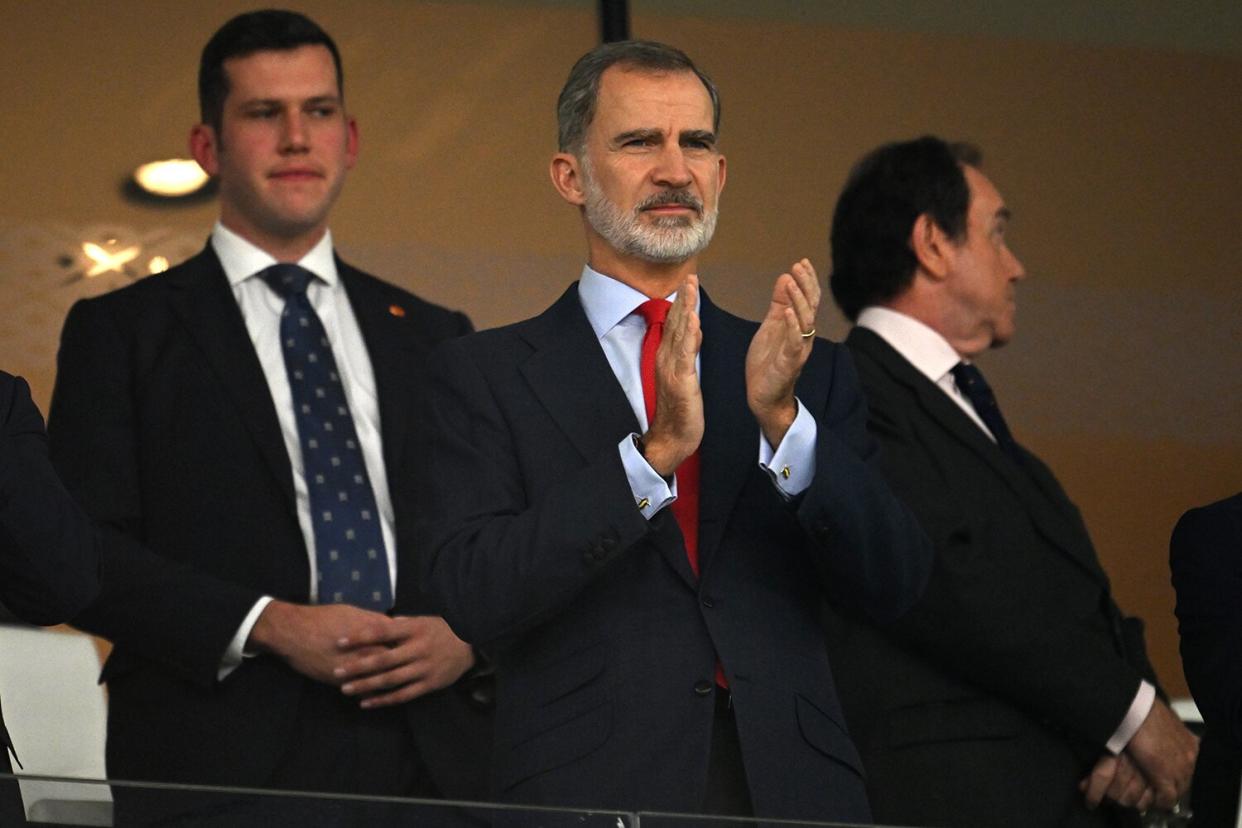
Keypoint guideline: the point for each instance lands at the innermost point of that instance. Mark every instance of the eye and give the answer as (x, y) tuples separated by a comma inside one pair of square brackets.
[(323, 111)]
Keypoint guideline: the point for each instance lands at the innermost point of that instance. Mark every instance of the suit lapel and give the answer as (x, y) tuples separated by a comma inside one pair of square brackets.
[(201, 296), (729, 452), (1048, 514), (570, 376), (390, 349)]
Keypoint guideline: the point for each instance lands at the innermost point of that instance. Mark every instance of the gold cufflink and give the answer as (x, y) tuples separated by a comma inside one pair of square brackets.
[(644, 503), (785, 472)]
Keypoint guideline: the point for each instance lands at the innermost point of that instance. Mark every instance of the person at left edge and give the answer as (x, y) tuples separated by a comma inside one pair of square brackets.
[(177, 419), (651, 656), (49, 556)]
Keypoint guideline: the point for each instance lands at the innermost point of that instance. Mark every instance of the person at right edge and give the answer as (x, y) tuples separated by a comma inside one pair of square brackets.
[(1205, 555), (1015, 692)]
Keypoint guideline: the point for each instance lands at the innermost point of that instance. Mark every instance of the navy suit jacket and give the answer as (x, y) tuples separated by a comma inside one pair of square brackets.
[(163, 426), (604, 641), (1205, 554), (991, 699), (49, 556)]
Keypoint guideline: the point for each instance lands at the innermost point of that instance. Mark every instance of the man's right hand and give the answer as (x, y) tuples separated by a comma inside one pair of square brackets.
[(314, 639), (677, 428), (1165, 752)]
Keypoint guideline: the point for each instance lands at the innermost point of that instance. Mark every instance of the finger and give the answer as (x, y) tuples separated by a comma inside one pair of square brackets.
[(808, 281), (1099, 780), (1166, 795), (398, 677), (399, 696), (378, 660), (378, 631), (802, 307), (1145, 800)]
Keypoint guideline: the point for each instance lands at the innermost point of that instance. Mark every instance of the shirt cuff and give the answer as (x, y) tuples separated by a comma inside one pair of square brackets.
[(651, 491), (236, 651), (1135, 716), (791, 466)]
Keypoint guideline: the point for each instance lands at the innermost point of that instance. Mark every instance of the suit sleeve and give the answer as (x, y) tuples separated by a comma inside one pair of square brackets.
[(872, 554), (49, 560), (493, 561), (1206, 558), (148, 604), (992, 616)]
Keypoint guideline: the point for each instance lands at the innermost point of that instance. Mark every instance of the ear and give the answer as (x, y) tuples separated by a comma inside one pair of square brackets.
[(932, 247), (351, 143), (567, 178), (721, 172), (205, 148)]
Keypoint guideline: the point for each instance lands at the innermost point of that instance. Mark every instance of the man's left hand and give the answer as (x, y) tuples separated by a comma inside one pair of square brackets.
[(417, 655), (780, 349)]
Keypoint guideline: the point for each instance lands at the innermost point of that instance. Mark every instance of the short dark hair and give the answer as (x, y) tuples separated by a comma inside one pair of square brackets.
[(884, 195), (575, 107), (245, 34)]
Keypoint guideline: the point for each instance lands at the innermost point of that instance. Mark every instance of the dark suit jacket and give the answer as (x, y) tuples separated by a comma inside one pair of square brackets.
[(604, 641), (49, 558), (989, 701), (1206, 558), (163, 426)]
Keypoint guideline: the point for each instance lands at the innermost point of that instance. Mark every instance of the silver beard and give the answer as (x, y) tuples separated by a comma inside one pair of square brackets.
[(670, 239)]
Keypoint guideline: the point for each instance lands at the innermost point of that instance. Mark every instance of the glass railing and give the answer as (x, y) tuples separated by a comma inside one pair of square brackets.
[(71, 801)]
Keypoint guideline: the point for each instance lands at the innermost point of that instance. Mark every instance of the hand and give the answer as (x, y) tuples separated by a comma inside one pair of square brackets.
[(1165, 751), (779, 350), (313, 639), (1117, 778), (677, 427), (415, 655)]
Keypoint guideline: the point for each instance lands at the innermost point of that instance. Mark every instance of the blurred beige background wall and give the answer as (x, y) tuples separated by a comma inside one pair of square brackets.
[(1113, 131)]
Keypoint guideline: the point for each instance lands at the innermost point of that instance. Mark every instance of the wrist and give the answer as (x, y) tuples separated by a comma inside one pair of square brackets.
[(661, 454), (272, 623), (775, 420)]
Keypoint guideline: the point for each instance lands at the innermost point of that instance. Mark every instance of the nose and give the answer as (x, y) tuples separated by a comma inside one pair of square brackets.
[(293, 133), (1015, 265), (671, 169)]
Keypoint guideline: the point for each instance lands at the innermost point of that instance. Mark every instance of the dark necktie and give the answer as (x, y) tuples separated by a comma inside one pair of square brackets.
[(970, 382), (686, 506), (349, 544)]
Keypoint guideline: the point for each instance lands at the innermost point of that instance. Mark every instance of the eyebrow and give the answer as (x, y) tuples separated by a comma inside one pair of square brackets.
[(647, 134), (317, 100)]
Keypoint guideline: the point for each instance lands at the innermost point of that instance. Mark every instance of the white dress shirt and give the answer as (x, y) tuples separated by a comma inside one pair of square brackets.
[(610, 308), (933, 357), (261, 308)]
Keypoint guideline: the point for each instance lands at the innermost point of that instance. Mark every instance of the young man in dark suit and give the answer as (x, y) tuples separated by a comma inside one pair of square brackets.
[(49, 556), (1015, 692), (247, 415), (1205, 554), (642, 531)]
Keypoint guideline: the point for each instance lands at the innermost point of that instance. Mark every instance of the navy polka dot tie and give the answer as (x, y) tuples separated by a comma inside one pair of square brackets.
[(970, 382), (349, 545)]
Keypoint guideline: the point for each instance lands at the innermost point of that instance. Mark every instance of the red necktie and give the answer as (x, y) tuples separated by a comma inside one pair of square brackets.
[(686, 506)]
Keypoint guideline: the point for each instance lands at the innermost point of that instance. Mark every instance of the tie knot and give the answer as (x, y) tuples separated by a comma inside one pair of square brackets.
[(287, 279), (968, 377), (654, 311)]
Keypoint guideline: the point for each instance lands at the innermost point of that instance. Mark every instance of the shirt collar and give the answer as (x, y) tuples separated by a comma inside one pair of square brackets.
[(922, 346), (242, 259), (608, 301)]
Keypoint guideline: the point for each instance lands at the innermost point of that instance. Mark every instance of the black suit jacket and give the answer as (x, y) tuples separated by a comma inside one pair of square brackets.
[(990, 700), (1205, 554), (163, 426), (604, 641), (49, 557)]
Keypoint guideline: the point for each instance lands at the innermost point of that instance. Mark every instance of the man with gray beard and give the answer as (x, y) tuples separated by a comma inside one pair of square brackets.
[(641, 532)]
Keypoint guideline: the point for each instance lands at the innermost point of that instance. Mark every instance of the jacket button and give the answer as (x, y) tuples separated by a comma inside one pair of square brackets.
[(703, 687)]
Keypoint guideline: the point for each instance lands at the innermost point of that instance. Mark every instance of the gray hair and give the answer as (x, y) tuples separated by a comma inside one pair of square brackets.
[(575, 108)]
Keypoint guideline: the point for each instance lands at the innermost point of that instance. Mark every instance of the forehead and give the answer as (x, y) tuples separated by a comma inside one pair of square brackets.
[(985, 199), (304, 72), (640, 99)]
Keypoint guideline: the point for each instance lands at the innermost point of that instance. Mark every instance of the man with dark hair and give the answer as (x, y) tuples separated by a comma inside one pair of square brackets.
[(1015, 692), (646, 556), (247, 416)]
